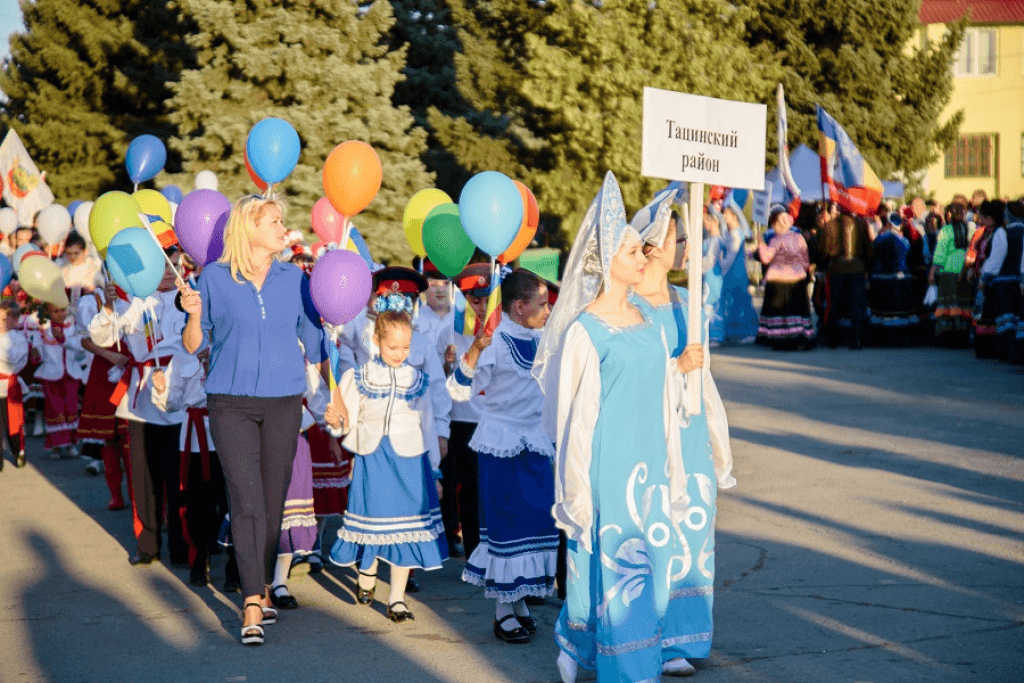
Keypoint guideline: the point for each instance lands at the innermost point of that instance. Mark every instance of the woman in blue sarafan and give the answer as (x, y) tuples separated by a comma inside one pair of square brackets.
[(704, 440), (620, 490)]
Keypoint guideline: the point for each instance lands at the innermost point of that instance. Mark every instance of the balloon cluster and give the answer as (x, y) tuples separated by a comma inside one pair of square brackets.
[(496, 214)]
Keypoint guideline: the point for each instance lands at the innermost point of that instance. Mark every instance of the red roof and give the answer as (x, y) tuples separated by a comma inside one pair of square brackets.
[(981, 11)]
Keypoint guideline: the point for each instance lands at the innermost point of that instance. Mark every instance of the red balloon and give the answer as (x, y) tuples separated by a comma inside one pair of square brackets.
[(252, 174), (327, 222)]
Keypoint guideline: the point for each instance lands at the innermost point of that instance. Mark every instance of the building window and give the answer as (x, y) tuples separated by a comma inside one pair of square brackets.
[(970, 157), (977, 55)]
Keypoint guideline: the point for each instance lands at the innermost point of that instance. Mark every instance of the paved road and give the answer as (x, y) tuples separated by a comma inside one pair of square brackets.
[(877, 535)]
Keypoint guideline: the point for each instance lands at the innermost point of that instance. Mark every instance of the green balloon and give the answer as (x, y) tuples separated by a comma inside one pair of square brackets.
[(447, 244), (113, 212)]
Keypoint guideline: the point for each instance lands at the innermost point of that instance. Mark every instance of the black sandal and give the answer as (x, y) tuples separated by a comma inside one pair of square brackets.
[(516, 636), (398, 616), (365, 597), (252, 634)]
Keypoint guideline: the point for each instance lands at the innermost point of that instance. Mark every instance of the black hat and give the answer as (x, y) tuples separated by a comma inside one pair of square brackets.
[(398, 280)]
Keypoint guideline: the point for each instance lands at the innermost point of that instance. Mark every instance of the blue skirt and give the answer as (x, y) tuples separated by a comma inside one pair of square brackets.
[(393, 513), (518, 547)]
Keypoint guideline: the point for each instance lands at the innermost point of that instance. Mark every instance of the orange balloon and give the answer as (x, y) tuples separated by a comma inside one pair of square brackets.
[(252, 174), (352, 176), (528, 228)]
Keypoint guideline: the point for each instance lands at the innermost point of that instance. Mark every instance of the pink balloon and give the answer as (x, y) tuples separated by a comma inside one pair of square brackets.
[(340, 286), (327, 221)]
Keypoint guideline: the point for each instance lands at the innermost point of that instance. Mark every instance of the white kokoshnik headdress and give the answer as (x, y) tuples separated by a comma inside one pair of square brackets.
[(601, 234)]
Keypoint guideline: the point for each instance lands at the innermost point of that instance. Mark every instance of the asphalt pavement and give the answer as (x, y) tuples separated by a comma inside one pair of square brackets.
[(876, 535)]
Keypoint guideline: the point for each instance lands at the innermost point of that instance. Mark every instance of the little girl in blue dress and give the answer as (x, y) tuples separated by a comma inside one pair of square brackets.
[(393, 510)]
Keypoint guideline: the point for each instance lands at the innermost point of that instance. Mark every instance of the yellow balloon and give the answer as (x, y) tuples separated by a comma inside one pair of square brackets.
[(156, 207), (41, 279), (113, 212), (415, 211)]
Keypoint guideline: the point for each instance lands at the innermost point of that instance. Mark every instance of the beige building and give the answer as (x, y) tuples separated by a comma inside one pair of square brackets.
[(988, 77)]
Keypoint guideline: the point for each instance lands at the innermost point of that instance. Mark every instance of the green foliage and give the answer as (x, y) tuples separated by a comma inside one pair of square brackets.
[(323, 66), (558, 87), (852, 57), (85, 78)]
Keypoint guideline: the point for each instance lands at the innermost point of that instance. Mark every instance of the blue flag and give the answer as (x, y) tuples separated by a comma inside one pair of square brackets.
[(128, 260)]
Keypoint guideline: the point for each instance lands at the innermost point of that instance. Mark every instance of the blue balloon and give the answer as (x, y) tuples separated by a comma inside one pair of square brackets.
[(135, 261), (361, 247), (6, 271), (491, 210), (273, 148), (173, 194), (74, 205), (146, 157)]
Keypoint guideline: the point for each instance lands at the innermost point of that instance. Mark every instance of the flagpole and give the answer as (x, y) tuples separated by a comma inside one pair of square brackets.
[(149, 229), (695, 291)]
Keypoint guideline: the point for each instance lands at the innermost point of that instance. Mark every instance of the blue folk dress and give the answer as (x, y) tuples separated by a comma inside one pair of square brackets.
[(626, 547), (737, 309), (393, 511), (687, 626)]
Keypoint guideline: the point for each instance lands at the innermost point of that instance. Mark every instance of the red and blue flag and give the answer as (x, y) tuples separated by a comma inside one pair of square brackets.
[(846, 177)]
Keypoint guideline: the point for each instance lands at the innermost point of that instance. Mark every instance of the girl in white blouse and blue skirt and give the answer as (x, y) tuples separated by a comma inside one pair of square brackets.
[(518, 547), (393, 502)]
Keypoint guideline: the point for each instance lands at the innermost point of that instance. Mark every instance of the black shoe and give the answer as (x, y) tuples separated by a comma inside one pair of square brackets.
[(365, 597), (456, 549), (143, 558), (529, 622), (517, 636), (398, 616), (284, 601), (200, 574), (413, 585), (20, 462)]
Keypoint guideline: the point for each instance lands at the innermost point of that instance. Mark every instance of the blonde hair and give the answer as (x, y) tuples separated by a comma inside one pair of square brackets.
[(238, 235), (388, 319)]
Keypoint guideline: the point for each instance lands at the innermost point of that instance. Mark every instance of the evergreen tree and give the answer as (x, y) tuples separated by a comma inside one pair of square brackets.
[(425, 27), (558, 87), (322, 65), (864, 64), (85, 78)]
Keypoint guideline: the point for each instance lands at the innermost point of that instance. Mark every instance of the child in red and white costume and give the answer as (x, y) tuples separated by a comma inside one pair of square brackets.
[(62, 371), (13, 357)]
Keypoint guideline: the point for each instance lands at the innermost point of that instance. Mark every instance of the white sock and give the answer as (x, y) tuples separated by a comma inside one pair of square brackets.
[(284, 563), (520, 608), (399, 577), (567, 668), (503, 610), (367, 582)]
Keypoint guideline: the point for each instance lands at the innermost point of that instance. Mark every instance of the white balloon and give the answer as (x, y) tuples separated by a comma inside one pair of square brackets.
[(54, 224), (8, 220), (174, 211), (207, 180), (82, 221)]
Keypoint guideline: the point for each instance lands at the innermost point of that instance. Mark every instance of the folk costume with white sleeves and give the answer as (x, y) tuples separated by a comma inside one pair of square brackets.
[(202, 479), (150, 330), (707, 462), (621, 489), (518, 548), (393, 512), (61, 372), (13, 358)]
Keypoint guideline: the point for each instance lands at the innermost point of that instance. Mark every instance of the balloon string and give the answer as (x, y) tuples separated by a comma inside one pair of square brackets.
[(136, 188), (345, 228), (113, 308)]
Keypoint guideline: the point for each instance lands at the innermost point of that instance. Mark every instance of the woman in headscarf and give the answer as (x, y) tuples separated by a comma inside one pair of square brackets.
[(786, 311)]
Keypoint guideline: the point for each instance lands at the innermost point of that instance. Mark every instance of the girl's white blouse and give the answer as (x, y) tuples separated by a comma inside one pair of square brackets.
[(512, 403), (396, 402)]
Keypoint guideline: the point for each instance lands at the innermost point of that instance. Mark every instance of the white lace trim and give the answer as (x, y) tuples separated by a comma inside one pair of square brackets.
[(505, 571), (332, 483), (391, 539), (508, 596), (293, 521), (505, 442)]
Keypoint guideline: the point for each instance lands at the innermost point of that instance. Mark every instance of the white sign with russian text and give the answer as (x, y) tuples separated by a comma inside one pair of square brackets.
[(703, 139)]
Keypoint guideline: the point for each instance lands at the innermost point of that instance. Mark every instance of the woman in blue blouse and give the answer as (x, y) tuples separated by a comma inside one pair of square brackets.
[(253, 311)]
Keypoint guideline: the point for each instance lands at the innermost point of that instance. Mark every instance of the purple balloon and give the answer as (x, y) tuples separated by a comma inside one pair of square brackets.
[(200, 222), (340, 285)]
